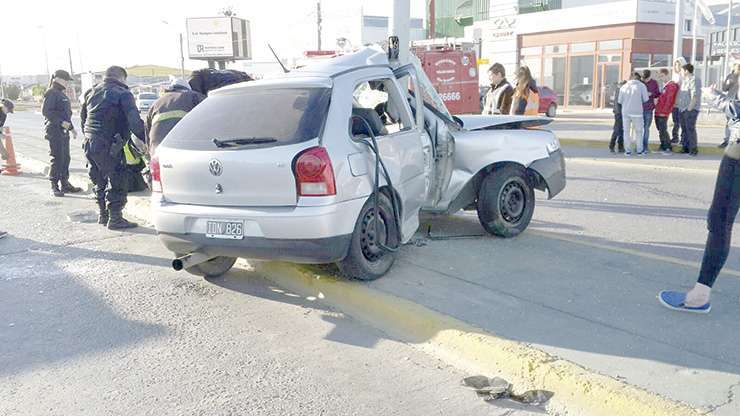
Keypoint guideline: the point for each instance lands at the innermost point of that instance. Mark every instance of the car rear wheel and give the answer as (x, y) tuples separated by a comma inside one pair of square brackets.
[(215, 267), (366, 259), (552, 110), (506, 202)]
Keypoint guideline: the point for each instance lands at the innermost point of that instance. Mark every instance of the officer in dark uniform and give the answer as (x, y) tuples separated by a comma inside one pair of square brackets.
[(109, 115), (57, 111)]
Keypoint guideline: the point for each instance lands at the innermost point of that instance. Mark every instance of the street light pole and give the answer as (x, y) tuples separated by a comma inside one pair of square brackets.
[(182, 60), (693, 32), (46, 49), (678, 31), (727, 40), (401, 28)]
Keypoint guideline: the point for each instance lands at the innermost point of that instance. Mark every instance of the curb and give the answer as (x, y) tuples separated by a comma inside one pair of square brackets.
[(703, 149), (577, 389), (39, 167)]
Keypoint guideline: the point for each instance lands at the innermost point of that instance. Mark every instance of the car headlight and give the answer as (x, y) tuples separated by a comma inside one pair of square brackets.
[(553, 146)]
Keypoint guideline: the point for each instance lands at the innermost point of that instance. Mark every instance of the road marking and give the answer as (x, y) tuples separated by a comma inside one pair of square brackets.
[(630, 252), (631, 164)]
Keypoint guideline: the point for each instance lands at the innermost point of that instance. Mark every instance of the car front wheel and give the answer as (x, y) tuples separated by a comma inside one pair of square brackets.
[(552, 110), (367, 259), (506, 201)]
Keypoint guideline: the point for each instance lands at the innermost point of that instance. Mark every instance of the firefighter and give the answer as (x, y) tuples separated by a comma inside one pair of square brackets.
[(109, 116), (168, 110), (57, 112)]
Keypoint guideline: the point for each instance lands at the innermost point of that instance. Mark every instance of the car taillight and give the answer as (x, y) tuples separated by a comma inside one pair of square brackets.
[(156, 174), (314, 174)]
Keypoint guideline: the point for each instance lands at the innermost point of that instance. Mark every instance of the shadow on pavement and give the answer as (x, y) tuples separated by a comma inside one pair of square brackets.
[(48, 317)]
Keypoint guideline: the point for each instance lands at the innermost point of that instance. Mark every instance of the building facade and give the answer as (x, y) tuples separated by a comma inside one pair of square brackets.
[(580, 48)]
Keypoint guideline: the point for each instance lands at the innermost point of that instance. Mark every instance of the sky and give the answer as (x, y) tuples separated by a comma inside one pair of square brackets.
[(137, 32)]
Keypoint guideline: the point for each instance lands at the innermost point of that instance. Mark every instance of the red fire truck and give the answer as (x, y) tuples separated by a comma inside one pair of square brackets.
[(453, 70)]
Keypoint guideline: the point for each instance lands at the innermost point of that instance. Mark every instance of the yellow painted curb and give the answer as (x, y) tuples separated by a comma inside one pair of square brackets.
[(578, 391)]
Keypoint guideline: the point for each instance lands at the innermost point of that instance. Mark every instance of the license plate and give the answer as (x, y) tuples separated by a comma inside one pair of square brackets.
[(227, 230)]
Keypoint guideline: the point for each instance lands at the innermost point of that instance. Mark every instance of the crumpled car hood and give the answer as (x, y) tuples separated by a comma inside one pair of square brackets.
[(480, 122)]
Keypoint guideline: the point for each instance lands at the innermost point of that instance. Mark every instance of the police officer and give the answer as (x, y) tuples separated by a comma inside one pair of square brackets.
[(169, 109), (57, 111), (108, 116)]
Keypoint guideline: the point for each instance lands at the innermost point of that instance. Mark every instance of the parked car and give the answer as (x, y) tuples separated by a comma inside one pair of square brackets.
[(548, 100), (144, 100), (286, 168)]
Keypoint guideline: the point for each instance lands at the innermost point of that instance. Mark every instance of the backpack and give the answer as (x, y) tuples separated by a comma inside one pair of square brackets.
[(208, 79)]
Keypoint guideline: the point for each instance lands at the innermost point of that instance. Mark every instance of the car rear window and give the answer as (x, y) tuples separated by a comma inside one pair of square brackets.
[(287, 115)]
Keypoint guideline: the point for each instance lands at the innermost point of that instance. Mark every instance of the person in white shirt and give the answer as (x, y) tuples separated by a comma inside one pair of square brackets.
[(632, 96)]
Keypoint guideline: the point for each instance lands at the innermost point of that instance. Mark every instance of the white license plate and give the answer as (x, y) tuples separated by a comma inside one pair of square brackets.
[(227, 230)]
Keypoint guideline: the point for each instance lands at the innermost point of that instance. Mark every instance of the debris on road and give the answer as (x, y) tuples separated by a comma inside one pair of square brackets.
[(490, 389)]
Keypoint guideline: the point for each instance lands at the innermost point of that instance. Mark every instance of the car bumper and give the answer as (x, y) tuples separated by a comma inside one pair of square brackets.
[(552, 171), (312, 235)]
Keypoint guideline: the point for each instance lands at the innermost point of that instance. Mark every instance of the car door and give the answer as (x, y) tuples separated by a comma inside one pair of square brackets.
[(437, 142), (380, 102)]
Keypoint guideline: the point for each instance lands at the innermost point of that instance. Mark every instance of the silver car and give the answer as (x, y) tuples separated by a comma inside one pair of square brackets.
[(334, 163)]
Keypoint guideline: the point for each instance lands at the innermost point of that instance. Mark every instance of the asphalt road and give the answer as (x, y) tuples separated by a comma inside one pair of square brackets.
[(94, 322), (580, 283)]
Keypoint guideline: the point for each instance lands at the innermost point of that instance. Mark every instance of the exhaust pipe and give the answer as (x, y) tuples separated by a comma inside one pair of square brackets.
[(189, 260)]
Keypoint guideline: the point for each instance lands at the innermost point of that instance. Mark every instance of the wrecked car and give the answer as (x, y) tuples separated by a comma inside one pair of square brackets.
[(334, 162)]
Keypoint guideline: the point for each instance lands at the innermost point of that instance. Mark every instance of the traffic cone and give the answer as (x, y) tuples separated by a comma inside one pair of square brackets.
[(11, 167)]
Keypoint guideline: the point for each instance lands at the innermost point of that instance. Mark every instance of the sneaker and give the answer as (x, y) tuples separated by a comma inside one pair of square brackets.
[(667, 152), (640, 153), (674, 300), (627, 153), (611, 149), (723, 145), (3, 234)]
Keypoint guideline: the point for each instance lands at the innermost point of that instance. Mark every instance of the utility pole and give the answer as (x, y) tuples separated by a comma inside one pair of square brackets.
[(728, 37), (69, 54), (182, 60), (694, 27), (432, 23), (678, 31), (401, 28), (318, 24)]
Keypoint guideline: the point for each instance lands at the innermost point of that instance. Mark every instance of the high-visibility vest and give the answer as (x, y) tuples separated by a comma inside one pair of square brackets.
[(132, 157), (533, 104)]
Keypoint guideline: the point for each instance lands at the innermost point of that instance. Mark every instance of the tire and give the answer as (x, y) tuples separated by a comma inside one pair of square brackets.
[(216, 267), (365, 259), (506, 201), (552, 110)]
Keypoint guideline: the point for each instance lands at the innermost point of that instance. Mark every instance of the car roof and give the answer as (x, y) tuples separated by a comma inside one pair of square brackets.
[(317, 74)]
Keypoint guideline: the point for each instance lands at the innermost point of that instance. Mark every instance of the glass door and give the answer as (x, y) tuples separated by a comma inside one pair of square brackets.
[(607, 84)]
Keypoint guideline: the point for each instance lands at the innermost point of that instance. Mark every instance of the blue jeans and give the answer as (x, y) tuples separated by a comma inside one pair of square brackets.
[(647, 117), (688, 125), (675, 137)]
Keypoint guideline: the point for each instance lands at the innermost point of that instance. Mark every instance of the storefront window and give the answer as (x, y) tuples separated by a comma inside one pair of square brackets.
[(610, 58), (555, 49), (582, 47), (554, 76), (537, 50), (661, 59), (640, 60), (610, 44), (581, 80)]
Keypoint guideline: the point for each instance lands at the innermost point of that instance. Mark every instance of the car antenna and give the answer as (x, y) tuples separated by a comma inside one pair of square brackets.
[(278, 59)]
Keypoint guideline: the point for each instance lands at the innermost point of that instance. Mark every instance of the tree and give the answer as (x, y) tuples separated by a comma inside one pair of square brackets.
[(38, 90), (12, 91)]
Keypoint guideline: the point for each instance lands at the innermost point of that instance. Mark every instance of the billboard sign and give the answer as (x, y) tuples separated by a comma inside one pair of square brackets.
[(218, 38)]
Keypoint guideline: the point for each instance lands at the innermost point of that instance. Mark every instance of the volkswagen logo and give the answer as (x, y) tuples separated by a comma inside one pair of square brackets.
[(215, 167)]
